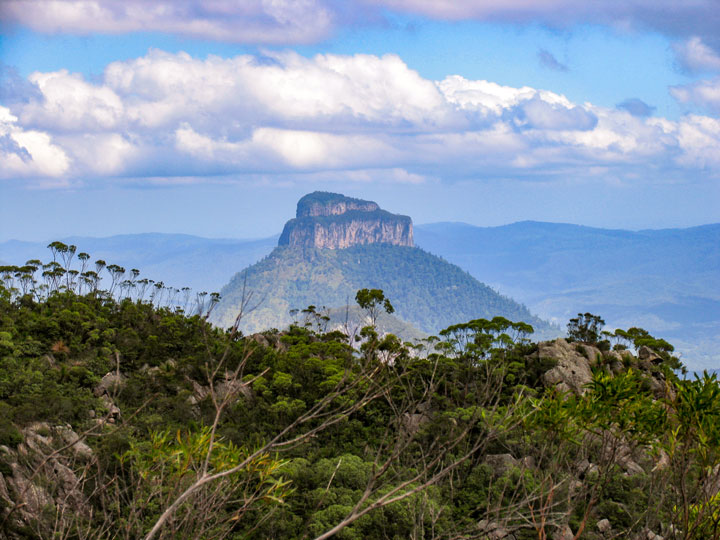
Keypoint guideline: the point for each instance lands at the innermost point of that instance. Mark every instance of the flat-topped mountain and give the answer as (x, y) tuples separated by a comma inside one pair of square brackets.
[(368, 248), (333, 221)]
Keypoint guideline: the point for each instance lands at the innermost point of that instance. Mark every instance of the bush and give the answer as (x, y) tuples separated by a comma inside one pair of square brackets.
[(9, 434)]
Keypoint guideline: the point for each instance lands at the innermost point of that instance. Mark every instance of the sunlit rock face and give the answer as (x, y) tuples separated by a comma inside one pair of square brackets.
[(333, 221)]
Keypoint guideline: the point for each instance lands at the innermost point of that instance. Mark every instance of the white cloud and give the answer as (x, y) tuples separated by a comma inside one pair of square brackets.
[(105, 154), (695, 55), (171, 115), (71, 104), (28, 153), (698, 137), (702, 93)]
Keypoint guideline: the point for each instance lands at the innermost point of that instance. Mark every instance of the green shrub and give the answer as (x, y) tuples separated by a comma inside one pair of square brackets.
[(9, 434)]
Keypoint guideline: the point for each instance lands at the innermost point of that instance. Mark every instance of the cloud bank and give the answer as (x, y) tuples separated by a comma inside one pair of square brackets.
[(249, 21), (171, 115), (303, 21)]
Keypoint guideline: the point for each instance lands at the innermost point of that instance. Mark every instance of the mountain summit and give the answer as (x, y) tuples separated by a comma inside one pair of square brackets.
[(333, 221), (337, 245)]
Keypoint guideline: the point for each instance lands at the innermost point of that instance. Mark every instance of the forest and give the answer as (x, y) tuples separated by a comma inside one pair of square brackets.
[(427, 291), (125, 414)]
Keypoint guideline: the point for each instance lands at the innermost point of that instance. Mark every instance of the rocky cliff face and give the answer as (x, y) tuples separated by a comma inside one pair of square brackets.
[(333, 221)]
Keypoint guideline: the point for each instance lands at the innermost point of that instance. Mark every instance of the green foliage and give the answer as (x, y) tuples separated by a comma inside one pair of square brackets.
[(585, 328), (9, 434), (482, 379), (293, 278), (372, 300)]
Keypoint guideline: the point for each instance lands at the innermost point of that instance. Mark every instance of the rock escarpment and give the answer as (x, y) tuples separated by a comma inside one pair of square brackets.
[(333, 221)]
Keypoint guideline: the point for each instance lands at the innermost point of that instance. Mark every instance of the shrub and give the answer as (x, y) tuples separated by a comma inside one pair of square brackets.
[(9, 434)]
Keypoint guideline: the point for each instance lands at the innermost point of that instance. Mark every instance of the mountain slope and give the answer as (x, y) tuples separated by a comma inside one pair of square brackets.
[(667, 281), (425, 290)]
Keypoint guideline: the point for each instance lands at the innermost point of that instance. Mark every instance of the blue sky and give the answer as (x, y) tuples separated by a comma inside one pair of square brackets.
[(213, 118)]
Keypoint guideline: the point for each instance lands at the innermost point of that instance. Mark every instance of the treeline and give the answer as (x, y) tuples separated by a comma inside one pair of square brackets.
[(122, 419), (72, 271)]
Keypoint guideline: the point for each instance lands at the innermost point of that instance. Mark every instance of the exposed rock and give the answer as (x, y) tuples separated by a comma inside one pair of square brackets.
[(411, 423), (604, 525), (113, 411), (585, 468), (592, 353), (494, 531), (572, 371), (648, 355), (663, 461), (111, 383), (333, 221), (564, 533), (623, 455), (38, 477), (270, 341), (71, 439), (614, 361), (501, 463), (330, 204), (222, 389)]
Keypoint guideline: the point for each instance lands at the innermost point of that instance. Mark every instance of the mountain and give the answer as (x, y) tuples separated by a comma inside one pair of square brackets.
[(333, 221), (425, 290), (667, 281)]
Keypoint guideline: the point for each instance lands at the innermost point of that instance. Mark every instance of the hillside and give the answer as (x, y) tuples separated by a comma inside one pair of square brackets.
[(425, 290), (667, 281), (119, 418)]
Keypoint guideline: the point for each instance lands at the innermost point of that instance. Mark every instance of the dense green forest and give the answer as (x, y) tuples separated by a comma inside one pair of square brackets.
[(427, 291), (124, 414)]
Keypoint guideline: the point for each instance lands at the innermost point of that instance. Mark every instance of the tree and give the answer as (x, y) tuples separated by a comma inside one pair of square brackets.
[(585, 328), (372, 300)]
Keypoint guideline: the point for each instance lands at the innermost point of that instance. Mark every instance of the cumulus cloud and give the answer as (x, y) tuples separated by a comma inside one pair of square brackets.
[(636, 107), (548, 60), (172, 116), (28, 153), (538, 113), (249, 21), (704, 94), (695, 55)]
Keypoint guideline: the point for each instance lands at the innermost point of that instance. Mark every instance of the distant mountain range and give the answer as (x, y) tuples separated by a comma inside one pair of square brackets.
[(667, 281), (180, 260)]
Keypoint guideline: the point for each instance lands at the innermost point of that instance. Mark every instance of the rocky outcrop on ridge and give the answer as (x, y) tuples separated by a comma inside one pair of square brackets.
[(333, 221)]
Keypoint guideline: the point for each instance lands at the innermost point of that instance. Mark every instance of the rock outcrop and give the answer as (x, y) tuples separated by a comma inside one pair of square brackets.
[(572, 371), (333, 221), (39, 479)]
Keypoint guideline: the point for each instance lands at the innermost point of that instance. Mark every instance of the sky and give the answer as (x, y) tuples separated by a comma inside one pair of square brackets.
[(214, 117)]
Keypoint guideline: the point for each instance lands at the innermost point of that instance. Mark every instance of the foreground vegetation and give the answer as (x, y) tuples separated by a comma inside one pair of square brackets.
[(126, 417)]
